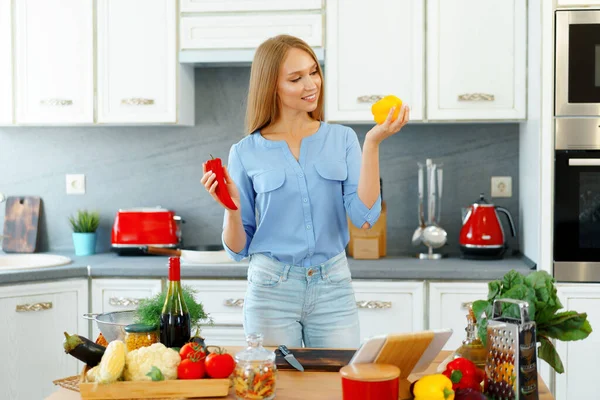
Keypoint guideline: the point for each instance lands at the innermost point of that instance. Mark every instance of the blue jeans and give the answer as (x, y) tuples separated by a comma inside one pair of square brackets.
[(292, 305)]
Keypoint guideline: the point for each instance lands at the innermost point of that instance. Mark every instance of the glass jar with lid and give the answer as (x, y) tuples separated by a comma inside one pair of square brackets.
[(255, 373), (140, 335)]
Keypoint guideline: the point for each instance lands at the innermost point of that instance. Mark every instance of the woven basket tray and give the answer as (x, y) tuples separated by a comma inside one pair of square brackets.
[(70, 383)]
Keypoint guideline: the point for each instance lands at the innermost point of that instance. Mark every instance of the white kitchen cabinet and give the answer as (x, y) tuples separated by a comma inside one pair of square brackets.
[(54, 61), (476, 59), (217, 32), (389, 307), (384, 307), (372, 52), (33, 318), (140, 80), (445, 307), (222, 299), (580, 358), (223, 336), (6, 88), (110, 295), (248, 5)]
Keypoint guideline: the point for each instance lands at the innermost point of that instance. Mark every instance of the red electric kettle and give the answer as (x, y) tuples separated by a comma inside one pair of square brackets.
[(481, 235)]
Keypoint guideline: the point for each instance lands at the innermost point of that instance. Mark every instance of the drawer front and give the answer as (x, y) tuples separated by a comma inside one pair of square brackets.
[(222, 299), (389, 307), (110, 295), (248, 5), (224, 336), (247, 31)]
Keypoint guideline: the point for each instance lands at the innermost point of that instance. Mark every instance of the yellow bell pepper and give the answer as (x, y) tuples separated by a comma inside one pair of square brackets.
[(381, 109), (434, 387)]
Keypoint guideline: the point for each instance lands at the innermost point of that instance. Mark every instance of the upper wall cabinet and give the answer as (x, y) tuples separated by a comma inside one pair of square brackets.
[(476, 59), (54, 59), (373, 51), (6, 90), (247, 31), (139, 78), (247, 5), (229, 31)]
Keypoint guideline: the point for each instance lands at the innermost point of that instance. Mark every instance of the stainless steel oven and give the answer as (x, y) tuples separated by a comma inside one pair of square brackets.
[(577, 200), (577, 61)]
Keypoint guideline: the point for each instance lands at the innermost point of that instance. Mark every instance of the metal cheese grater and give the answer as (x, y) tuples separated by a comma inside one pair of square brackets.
[(511, 362)]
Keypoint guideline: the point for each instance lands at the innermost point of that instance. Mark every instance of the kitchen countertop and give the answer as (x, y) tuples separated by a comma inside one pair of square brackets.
[(111, 265), (292, 385)]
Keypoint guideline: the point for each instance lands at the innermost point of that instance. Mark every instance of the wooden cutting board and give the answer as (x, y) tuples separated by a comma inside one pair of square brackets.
[(322, 360), (21, 224)]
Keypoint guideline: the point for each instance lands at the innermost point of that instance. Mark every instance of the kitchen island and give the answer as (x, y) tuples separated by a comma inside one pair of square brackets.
[(292, 385)]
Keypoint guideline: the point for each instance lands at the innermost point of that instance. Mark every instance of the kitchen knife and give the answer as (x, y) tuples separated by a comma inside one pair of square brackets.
[(289, 357)]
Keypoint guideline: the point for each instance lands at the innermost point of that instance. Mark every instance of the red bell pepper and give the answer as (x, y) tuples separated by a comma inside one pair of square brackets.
[(464, 374), (215, 165)]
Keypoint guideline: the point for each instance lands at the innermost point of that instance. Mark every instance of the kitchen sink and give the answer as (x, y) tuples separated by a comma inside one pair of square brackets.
[(29, 261)]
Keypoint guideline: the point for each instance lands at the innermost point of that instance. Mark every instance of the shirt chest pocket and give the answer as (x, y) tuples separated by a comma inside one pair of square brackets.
[(332, 170), (268, 181)]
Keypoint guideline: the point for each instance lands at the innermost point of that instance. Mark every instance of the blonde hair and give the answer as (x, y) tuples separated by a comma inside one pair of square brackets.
[(263, 105)]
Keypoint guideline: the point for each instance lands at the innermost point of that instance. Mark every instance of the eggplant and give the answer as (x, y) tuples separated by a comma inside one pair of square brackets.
[(83, 349)]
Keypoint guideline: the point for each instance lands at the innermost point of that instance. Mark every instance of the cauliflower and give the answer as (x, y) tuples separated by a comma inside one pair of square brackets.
[(140, 362)]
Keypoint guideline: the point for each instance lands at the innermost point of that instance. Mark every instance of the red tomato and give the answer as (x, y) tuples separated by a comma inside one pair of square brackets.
[(219, 365), (191, 349), (189, 369)]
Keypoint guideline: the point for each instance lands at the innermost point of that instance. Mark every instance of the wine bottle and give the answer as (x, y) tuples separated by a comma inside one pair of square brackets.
[(175, 328)]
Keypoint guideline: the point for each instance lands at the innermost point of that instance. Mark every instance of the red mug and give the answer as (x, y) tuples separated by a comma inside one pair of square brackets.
[(370, 382)]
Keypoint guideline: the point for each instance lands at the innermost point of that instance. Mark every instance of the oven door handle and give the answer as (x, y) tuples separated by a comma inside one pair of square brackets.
[(584, 162)]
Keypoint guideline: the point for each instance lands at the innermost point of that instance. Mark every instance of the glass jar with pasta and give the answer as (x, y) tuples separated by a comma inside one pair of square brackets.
[(140, 335), (255, 373)]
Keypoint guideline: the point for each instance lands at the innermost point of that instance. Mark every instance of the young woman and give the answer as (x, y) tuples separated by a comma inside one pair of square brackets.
[(294, 179)]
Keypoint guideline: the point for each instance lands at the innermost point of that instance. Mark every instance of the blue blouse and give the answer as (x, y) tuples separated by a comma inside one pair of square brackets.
[(295, 211)]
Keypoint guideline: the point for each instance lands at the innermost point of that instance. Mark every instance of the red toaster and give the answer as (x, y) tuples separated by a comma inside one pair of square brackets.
[(136, 228)]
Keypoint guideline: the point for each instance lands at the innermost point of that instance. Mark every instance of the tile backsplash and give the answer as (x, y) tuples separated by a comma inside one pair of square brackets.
[(148, 166)]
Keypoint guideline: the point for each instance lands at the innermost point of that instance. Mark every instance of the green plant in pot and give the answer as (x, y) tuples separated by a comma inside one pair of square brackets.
[(537, 288), (84, 225)]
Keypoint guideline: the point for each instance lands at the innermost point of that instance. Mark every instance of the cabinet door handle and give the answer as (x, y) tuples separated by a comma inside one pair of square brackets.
[(34, 307), (584, 162), (374, 304), (476, 97), (56, 102), (137, 101), (234, 302), (369, 98), (123, 301)]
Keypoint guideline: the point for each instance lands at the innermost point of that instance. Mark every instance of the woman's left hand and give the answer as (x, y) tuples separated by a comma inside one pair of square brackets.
[(388, 128)]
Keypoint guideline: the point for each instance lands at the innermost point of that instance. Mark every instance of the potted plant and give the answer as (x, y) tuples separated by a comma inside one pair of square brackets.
[(84, 226)]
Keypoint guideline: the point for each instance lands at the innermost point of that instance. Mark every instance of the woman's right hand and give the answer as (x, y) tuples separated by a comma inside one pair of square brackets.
[(209, 180)]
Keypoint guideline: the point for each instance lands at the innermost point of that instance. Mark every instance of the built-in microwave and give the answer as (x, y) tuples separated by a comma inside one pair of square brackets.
[(577, 200), (577, 63)]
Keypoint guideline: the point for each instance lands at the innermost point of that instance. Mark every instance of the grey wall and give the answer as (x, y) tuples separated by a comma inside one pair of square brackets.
[(148, 166)]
